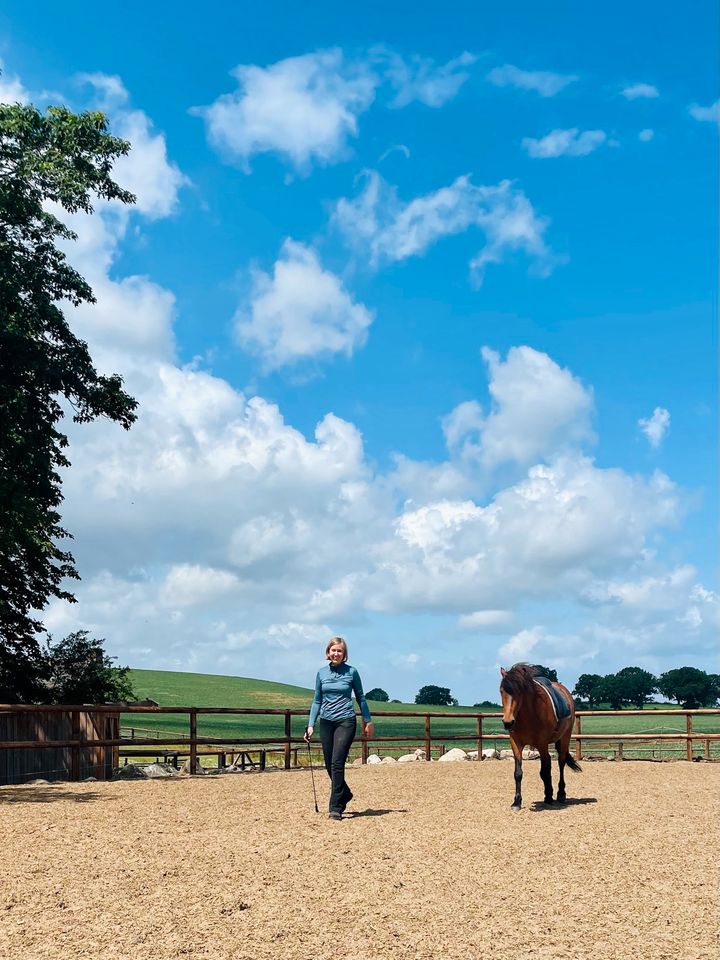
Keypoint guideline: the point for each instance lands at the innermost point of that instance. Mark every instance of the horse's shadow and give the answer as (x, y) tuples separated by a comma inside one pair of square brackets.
[(539, 806), (354, 814)]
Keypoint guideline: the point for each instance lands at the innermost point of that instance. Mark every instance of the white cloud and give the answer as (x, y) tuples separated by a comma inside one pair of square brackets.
[(463, 425), (305, 108), (539, 410), (133, 317), (548, 535), (11, 87), (301, 312), (146, 170), (656, 426), (646, 135), (641, 91), (709, 114), (564, 143), (108, 87), (188, 585), (485, 621), (545, 83), (377, 223), (519, 648), (422, 80), (652, 592)]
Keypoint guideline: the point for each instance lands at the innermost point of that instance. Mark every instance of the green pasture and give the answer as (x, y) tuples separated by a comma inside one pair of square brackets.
[(205, 690)]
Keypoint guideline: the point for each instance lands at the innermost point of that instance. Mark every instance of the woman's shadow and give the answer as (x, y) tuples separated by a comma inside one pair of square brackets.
[(353, 814)]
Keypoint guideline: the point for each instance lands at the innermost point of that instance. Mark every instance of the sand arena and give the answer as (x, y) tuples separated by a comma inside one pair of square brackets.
[(430, 862)]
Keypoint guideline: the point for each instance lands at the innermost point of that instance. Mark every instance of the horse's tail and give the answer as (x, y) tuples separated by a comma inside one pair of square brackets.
[(569, 759)]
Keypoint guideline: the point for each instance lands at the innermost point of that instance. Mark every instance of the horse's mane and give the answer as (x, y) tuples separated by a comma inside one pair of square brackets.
[(518, 679)]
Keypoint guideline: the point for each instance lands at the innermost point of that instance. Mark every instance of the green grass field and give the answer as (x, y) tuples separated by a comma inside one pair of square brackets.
[(205, 690)]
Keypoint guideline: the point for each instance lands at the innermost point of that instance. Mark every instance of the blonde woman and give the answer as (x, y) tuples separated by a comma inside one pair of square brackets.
[(335, 685)]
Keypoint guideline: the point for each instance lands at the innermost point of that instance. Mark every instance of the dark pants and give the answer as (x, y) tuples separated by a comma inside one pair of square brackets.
[(336, 737)]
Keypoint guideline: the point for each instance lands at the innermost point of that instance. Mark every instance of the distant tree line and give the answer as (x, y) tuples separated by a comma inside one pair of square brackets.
[(630, 687), (634, 687)]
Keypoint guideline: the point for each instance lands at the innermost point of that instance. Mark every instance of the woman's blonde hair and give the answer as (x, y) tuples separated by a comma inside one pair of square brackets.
[(339, 642)]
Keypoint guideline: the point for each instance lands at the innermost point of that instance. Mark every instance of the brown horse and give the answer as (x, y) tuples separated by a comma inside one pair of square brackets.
[(536, 713)]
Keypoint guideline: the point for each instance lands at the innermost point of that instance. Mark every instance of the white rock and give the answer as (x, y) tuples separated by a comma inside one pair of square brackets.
[(357, 762), (374, 758), (453, 756), (388, 760), (491, 754), (506, 755), (530, 754), (198, 767), (158, 771), (408, 758)]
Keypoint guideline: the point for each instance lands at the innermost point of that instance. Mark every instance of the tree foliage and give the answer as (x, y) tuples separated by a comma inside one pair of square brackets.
[(690, 687), (435, 696), (546, 672), (377, 693), (79, 671), (636, 686), (48, 161), (588, 688)]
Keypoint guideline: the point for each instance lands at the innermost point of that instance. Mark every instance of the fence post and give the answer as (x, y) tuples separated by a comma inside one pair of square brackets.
[(364, 749), (689, 752), (620, 750), (193, 740), (578, 740), (707, 749), (479, 738), (75, 751), (288, 734), (428, 743)]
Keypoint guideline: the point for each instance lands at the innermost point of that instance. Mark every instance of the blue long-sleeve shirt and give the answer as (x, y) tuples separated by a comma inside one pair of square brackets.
[(334, 689)]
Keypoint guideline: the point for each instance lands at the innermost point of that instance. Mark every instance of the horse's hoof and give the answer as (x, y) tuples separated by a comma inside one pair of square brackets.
[(515, 807), (548, 800), (562, 799)]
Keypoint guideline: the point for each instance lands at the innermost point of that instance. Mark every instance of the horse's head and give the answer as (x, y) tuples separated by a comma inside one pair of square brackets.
[(509, 703)]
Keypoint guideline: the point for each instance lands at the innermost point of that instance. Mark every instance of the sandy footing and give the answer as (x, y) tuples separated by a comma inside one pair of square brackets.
[(429, 862)]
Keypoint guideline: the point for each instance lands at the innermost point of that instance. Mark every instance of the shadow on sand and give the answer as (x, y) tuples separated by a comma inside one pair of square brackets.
[(46, 794), (539, 806), (370, 813)]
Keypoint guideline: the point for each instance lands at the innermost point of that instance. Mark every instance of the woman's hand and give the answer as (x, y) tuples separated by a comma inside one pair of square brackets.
[(369, 730), (308, 733)]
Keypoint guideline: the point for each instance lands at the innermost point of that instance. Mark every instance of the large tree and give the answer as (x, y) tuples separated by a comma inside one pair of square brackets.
[(587, 688), (690, 687), (79, 671), (636, 685), (48, 161), (435, 696)]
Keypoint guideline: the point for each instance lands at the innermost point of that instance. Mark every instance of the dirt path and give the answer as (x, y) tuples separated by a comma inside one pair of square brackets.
[(430, 863)]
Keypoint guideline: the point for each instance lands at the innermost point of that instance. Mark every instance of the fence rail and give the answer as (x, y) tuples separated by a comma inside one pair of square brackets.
[(118, 746)]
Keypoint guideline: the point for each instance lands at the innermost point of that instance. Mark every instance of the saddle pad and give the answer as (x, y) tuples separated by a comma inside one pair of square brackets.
[(559, 704)]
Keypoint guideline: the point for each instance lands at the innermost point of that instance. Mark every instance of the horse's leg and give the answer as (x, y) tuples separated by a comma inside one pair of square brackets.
[(562, 752), (517, 753), (546, 773)]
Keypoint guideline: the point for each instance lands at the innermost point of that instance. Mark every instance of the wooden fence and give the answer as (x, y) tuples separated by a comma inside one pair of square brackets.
[(61, 742)]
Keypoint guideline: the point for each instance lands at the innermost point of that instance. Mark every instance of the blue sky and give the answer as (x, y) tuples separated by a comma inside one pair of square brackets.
[(420, 313)]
